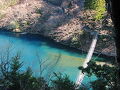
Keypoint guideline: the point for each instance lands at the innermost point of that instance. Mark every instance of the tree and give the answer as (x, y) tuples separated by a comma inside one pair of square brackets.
[(62, 82), (115, 16), (13, 78), (107, 76)]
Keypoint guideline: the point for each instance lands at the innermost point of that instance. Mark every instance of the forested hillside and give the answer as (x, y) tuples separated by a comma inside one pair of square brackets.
[(65, 21)]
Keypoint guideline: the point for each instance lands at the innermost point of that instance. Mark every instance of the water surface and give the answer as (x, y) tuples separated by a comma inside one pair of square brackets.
[(35, 49)]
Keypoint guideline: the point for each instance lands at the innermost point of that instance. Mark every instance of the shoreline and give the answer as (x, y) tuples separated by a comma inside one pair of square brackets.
[(60, 44)]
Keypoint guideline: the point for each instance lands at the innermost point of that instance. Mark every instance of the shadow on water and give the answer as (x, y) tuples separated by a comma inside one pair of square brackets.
[(52, 44), (36, 37)]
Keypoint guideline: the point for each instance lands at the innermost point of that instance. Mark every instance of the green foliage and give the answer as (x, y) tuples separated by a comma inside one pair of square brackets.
[(38, 11), (14, 25), (98, 6), (18, 25), (15, 65), (63, 83), (99, 84), (108, 77), (90, 4), (25, 23), (12, 78)]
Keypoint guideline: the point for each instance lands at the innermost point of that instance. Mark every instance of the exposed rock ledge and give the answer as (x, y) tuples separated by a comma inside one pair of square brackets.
[(53, 20)]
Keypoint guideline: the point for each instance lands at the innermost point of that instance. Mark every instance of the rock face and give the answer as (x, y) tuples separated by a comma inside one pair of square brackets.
[(57, 19)]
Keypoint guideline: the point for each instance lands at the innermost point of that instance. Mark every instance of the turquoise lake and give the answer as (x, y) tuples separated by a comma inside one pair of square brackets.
[(36, 49)]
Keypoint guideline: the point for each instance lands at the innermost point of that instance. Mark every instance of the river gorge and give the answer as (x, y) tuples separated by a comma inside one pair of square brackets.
[(43, 55)]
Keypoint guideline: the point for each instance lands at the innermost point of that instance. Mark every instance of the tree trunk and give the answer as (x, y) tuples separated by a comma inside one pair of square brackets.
[(115, 10)]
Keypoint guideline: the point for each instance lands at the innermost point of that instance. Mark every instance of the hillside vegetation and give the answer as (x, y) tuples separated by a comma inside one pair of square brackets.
[(70, 22), (7, 3)]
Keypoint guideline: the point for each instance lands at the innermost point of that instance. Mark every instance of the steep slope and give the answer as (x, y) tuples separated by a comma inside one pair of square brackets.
[(60, 20)]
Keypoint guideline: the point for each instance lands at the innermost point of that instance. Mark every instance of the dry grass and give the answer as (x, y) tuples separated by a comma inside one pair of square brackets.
[(1, 15), (6, 3)]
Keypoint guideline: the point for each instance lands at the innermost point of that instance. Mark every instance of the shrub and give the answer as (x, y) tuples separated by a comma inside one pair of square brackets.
[(98, 6), (14, 25), (107, 76), (12, 78), (62, 82)]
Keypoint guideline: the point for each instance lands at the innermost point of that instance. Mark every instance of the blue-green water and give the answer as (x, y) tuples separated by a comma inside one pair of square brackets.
[(35, 49)]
